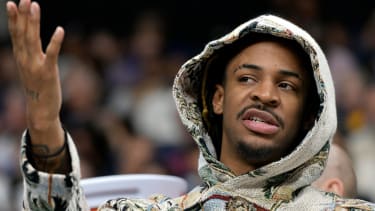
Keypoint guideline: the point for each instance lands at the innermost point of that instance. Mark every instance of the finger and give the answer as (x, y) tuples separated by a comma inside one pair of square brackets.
[(23, 15), (12, 18), (54, 46), (33, 30)]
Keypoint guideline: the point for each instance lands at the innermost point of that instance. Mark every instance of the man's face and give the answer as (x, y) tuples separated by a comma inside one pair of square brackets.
[(261, 101)]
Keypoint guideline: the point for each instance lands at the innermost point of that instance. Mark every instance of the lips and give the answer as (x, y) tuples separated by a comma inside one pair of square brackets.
[(261, 122)]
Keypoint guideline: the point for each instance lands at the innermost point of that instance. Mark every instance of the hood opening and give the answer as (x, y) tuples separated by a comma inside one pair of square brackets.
[(214, 73)]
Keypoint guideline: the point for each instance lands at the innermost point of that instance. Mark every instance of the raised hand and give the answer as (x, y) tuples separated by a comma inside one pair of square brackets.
[(39, 74)]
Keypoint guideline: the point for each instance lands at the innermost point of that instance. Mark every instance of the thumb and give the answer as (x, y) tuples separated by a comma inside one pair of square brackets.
[(54, 46)]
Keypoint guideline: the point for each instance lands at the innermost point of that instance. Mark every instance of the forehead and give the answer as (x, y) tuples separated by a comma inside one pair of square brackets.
[(271, 55)]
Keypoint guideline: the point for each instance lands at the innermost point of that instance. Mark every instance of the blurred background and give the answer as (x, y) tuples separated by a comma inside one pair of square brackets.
[(117, 66)]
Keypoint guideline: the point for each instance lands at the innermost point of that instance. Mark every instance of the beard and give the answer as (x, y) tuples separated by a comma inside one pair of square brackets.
[(256, 155)]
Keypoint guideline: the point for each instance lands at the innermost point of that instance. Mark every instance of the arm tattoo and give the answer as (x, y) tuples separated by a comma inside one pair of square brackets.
[(40, 150), (34, 95), (58, 162)]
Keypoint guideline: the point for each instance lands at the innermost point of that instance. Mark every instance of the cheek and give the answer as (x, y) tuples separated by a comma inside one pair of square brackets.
[(294, 110), (233, 102), (237, 95)]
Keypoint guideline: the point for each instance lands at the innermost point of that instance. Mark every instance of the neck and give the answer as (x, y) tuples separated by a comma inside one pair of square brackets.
[(233, 161)]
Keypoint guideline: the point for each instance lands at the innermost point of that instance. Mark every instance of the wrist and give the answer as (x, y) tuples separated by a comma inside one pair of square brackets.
[(46, 159), (40, 120), (48, 134)]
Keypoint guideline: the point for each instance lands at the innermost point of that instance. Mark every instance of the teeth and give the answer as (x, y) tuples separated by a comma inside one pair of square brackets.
[(256, 119)]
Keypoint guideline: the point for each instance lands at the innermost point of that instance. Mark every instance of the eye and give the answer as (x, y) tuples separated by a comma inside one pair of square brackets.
[(286, 86), (246, 79)]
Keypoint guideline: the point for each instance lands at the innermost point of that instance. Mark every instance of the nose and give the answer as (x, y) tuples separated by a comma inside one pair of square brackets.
[(266, 93)]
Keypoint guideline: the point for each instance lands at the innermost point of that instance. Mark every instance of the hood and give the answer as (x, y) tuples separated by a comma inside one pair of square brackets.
[(293, 171)]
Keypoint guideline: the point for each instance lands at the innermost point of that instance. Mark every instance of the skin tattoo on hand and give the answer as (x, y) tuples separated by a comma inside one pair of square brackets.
[(34, 95)]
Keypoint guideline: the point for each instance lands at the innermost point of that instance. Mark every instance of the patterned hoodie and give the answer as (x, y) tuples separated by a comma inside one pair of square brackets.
[(280, 185)]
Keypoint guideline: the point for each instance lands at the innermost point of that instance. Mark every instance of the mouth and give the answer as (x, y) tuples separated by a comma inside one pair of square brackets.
[(261, 122)]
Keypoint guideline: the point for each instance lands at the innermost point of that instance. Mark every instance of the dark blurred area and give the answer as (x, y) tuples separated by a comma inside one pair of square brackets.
[(195, 22), (117, 66)]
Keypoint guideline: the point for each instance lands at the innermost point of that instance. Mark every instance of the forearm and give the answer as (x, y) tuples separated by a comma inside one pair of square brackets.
[(47, 142)]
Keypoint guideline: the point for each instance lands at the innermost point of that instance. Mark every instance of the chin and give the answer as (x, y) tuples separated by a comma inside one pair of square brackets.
[(258, 142), (256, 152)]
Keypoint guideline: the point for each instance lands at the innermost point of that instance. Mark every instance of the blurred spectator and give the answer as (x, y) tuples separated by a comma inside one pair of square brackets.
[(338, 176), (83, 93), (104, 49), (361, 145), (94, 150), (13, 121), (346, 69), (367, 45), (141, 60), (146, 44), (8, 69), (134, 153)]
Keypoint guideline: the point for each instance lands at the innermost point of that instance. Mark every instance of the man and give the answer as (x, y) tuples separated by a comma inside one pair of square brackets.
[(338, 176), (259, 102)]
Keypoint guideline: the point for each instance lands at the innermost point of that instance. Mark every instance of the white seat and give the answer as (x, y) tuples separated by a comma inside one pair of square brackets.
[(99, 189)]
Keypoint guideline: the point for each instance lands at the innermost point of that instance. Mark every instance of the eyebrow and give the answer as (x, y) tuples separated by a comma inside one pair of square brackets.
[(256, 67)]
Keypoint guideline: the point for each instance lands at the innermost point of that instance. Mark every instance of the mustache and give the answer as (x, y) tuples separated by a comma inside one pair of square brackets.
[(260, 106)]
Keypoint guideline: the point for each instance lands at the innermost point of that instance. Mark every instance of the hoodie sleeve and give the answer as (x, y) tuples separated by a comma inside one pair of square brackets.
[(353, 205), (45, 191)]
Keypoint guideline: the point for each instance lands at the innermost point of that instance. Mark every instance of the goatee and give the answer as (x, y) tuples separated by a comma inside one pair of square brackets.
[(252, 155)]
